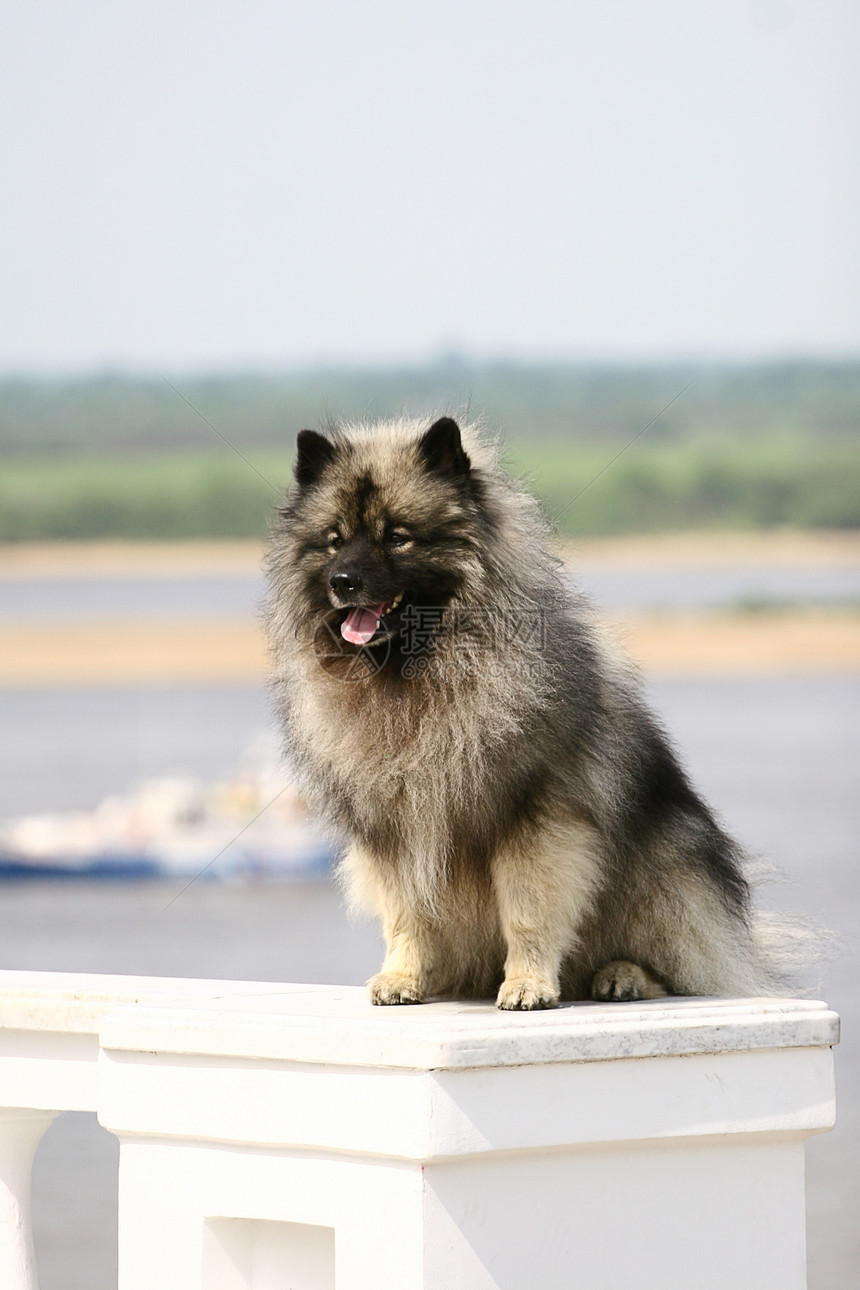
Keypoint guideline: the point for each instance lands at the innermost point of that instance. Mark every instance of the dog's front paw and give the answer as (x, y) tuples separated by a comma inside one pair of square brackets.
[(525, 993), (394, 987), (621, 981)]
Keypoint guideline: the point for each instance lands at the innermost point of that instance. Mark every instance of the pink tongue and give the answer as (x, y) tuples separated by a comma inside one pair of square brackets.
[(360, 625)]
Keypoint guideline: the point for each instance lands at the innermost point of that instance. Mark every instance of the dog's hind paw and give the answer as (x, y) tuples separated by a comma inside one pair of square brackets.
[(526, 993), (621, 981), (393, 987)]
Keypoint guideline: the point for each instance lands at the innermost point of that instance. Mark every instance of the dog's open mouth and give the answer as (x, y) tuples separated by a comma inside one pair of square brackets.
[(364, 624)]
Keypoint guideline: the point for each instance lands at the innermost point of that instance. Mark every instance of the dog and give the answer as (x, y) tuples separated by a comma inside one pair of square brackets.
[(515, 815)]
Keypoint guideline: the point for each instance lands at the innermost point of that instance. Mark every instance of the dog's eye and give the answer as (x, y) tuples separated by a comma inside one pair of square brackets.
[(398, 537), (334, 540)]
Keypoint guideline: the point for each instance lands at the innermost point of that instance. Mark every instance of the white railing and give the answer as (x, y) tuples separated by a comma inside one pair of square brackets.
[(288, 1137)]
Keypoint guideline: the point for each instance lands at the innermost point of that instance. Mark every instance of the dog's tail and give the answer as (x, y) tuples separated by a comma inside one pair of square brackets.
[(794, 950)]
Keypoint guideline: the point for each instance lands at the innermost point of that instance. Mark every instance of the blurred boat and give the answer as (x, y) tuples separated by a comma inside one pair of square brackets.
[(252, 824)]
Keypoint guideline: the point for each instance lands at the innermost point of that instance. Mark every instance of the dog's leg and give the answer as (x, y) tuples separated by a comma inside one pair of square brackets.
[(406, 968), (542, 898), (410, 946), (623, 980)]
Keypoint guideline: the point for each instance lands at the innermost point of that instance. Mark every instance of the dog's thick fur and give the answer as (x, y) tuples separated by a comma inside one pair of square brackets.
[(516, 817)]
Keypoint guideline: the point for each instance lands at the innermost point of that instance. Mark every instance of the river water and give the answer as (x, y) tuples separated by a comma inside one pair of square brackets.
[(26, 598), (776, 756)]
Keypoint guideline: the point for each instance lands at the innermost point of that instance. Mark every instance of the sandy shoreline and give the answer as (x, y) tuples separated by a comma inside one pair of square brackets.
[(675, 550), (227, 650), (129, 559), (232, 651)]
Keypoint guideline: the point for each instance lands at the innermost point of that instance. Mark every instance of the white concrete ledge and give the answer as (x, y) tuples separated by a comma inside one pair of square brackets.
[(341, 1027), (50, 1022), (76, 1002), (276, 1135)]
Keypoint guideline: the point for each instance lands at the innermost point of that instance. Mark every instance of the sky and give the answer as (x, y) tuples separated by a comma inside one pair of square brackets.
[(216, 184)]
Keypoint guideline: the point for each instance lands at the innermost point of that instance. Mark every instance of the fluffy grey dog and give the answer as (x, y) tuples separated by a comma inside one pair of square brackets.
[(516, 817)]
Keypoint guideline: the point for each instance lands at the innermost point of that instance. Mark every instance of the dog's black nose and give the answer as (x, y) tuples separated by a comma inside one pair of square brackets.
[(346, 581)]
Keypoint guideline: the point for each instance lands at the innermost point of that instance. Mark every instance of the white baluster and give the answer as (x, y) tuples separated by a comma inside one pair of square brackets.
[(20, 1134)]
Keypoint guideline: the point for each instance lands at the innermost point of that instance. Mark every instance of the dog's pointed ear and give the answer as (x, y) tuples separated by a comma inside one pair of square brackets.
[(441, 449), (313, 453)]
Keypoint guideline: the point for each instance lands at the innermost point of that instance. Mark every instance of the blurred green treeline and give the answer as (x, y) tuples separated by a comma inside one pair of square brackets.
[(207, 456)]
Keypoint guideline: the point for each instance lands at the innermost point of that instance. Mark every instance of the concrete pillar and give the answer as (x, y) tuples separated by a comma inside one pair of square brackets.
[(307, 1141)]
